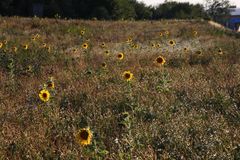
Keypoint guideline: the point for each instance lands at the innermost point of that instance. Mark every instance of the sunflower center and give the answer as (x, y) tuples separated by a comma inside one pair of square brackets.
[(119, 56), (127, 75), (50, 85), (159, 60), (44, 95), (84, 135)]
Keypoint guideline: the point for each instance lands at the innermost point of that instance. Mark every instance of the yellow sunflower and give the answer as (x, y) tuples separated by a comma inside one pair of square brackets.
[(104, 65), (153, 45), (1, 44), (107, 52), (25, 47), (103, 45), (199, 52), (84, 136), (33, 38), (160, 34), (82, 32), (44, 95), (167, 33), (129, 40), (14, 49), (49, 49), (220, 51), (51, 85), (195, 33), (120, 56), (85, 46), (172, 43), (158, 45), (185, 49), (44, 45), (5, 41), (160, 60), (127, 75)]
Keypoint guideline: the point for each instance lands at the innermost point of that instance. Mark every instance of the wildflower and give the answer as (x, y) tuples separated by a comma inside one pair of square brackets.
[(127, 75), (172, 43), (25, 47), (1, 44), (185, 49), (84, 136), (15, 49), (199, 52), (120, 56), (167, 33), (5, 42), (44, 95), (103, 45), (129, 40), (107, 52), (158, 45), (104, 65), (220, 51), (49, 49), (160, 34), (44, 45), (153, 45), (195, 33), (85, 46), (82, 32), (160, 60)]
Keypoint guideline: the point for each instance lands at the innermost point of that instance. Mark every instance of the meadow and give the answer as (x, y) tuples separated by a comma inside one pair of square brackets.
[(127, 90)]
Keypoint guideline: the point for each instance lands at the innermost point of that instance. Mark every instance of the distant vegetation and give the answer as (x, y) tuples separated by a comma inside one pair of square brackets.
[(110, 9)]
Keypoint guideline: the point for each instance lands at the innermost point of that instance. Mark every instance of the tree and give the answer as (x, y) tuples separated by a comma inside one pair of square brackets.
[(217, 9)]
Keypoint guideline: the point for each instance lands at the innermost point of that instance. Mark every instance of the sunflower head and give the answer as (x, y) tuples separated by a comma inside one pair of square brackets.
[(127, 75), (153, 45), (33, 38), (185, 49), (25, 47), (85, 46), (167, 33), (220, 51), (103, 45), (44, 95), (49, 49), (160, 34), (84, 136), (120, 56), (1, 44), (129, 40), (195, 33), (158, 45), (44, 45), (172, 43), (14, 49), (5, 41), (50, 85), (82, 32), (107, 52), (160, 60), (199, 52), (104, 65)]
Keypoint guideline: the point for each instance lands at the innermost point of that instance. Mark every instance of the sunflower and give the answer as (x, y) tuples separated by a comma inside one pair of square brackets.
[(199, 52), (33, 38), (85, 46), (5, 41), (153, 45), (44, 45), (75, 50), (167, 33), (44, 95), (14, 49), (51, 85), (160, 60), (220, 51), (195, 33), (84, 136), (104, 65), (107, 52), (160, 34), (82, 32), (129, 40), (26, 46), (185, 49), (49, 49), (172, 43), (127, 75), (103, 45), (120, 56), (1, 44), (158, 45)]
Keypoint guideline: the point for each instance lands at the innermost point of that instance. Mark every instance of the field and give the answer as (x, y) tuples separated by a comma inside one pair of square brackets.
[(73, 89)]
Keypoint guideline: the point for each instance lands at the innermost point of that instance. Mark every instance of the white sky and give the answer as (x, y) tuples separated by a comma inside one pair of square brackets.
[(155, 2)]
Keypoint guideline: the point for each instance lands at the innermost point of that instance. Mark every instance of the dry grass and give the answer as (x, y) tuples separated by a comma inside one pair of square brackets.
[(188, 108)]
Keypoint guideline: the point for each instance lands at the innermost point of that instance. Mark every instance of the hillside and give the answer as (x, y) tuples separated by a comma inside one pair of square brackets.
[(140, 90)]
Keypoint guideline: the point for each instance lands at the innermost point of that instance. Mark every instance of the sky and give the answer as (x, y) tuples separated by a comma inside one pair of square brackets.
[(155, 2)]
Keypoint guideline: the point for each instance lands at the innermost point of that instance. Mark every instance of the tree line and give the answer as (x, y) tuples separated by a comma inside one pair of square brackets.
[(102, 9)]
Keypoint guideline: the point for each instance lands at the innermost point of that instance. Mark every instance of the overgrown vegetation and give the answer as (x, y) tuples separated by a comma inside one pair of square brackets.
[(134, 90)]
